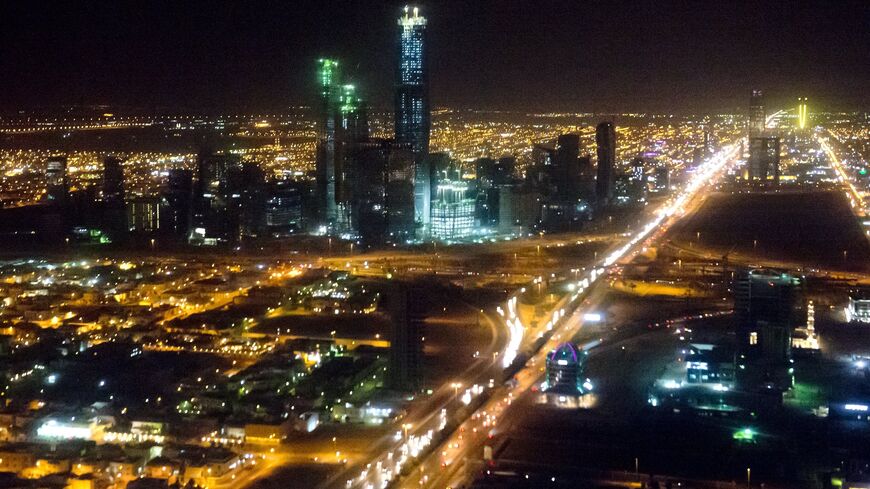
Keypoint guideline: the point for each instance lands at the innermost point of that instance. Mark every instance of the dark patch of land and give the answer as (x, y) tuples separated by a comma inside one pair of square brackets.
[(809, 228)]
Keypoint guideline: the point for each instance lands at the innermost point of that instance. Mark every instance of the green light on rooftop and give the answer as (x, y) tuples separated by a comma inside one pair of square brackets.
[(746, 434)]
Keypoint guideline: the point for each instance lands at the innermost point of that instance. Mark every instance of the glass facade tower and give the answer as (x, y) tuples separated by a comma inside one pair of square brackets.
[(412, 83)]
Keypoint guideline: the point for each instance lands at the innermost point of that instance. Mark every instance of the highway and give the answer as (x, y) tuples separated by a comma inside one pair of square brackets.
[(856, 198), (445, 465)]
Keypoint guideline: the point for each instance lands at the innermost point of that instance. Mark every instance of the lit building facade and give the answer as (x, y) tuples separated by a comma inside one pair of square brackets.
[(453, 212), (412, 84)]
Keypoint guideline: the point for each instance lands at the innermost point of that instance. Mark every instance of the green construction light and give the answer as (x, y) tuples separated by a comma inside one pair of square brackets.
[(746, 434), (327, 71)]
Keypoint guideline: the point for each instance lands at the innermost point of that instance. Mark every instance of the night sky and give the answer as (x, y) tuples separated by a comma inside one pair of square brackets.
[(577, 55)]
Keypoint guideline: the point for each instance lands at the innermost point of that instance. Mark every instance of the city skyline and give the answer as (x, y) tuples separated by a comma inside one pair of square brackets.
[(362, 285), (600, 58)]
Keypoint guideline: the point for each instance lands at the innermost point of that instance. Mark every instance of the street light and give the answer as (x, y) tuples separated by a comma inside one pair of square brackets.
[(748, 472)]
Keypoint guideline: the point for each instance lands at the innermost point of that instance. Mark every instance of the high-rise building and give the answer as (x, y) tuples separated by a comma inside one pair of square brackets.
[(217, 199), (568, 172), (342, 123), (114, 214), (757, 117), (382, 194), (283, 208), (113, 180), (763, 163), (407, 315), (328, 125), (412, 83), (605, 140), (453, 208), (252, 204), (57, 184), (144, 214), (178, 196), (765, 314), (802, 115)]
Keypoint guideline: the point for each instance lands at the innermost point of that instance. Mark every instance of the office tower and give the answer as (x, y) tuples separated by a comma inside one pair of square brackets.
[(327, 127), (283, 208), (57, 184), (763, 163), (565, 370), (354, 116), (757, 117), (486, 207), (412, 84), (605, 139), (453, 208), (216, 199), (114, 214), (426, 175), (637, 171), (802, 115), (505, 169), (519, 208), (178, 198), (661, 180), (400, 193), (113, 180), (407, 315), (765, 314), (144, 214), (567, 167), (342, 123), (382, 194), (422, 195), (252, 204)]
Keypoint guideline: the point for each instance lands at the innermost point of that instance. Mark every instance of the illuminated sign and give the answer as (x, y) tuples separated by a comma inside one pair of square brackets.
[(857, 407)]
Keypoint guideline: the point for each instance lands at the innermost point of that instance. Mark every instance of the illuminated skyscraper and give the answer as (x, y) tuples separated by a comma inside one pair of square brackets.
[(605, 139), (412, 84), (56, 180), (756, 113), (328, 123), (453, 208), (802, 115)]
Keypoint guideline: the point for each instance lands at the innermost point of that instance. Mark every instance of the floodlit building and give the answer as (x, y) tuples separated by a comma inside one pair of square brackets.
[(858, 310), (453, 211), (412, 83)]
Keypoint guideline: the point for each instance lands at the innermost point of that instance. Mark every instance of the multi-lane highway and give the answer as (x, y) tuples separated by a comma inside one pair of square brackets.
[(446, 464)]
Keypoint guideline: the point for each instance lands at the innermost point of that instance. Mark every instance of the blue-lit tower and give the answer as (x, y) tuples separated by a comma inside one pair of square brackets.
[(412, 83)]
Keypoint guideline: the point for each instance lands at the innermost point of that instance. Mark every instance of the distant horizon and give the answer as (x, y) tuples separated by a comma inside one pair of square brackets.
[(661, 57)]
